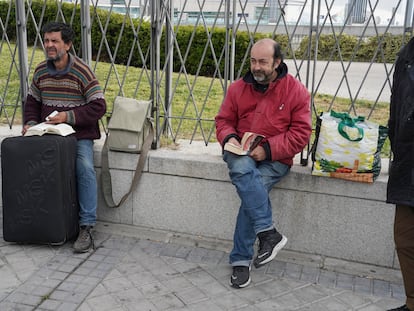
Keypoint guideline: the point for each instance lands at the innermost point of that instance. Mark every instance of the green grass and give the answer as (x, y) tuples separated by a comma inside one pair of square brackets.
[(190, 110)]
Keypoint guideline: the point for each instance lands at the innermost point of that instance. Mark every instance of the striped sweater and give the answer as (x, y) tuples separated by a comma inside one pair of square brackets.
[(75, 90)]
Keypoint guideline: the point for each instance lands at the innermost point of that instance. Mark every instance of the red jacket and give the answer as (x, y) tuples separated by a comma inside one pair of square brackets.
[(281, 113)]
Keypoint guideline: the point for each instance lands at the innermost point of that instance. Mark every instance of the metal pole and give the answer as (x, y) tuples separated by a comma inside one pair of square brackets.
[(153, 48), (408, 20), (22, 50), (233, 42), (169, 46), (155, 63), (226, 47), (312, 29), (86, 32)]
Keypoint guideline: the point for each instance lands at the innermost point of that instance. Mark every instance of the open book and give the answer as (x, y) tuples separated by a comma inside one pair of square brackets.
[(248, 143), (62, 129)]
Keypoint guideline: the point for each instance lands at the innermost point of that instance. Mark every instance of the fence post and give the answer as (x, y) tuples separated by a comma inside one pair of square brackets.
[(169, 48), (408, 20), (21, 30), (156, 30), (230, 42), (86, 32)]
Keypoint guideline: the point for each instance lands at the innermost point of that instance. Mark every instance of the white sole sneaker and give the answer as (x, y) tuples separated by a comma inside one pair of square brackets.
[(275, 250)]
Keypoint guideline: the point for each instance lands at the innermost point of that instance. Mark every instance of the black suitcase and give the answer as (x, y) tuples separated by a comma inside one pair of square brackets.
[(39, 189)]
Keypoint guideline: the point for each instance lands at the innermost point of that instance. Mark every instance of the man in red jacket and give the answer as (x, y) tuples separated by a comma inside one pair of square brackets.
[(270, 102)]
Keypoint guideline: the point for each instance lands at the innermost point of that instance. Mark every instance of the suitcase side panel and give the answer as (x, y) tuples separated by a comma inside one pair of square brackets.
[(70, 197)]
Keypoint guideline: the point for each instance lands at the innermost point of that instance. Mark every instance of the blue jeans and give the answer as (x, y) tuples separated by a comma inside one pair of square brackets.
[(86, 183), (253, 181)]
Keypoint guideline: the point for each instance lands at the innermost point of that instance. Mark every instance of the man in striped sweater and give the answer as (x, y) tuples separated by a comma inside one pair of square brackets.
[(64, 83)]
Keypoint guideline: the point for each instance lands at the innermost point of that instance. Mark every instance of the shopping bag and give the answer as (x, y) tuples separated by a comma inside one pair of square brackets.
[(348, 148)]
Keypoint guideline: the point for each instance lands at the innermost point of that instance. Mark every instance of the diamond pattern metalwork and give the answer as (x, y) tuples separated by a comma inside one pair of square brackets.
[(159, 63)]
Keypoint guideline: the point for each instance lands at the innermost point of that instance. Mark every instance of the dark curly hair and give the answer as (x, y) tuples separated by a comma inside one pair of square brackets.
[(66, 31)]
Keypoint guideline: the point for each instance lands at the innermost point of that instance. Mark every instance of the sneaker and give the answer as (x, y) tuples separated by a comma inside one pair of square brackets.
[(402, 308), (270, 243), (84, 242), (240, 277)]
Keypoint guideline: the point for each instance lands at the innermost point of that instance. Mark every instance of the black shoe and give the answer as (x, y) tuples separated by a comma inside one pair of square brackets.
[(84, 242), (270, 243), (240, 277), (402, 308)]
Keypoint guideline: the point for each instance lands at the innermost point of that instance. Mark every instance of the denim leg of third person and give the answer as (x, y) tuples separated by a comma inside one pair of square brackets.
[(86, 183), (253, 181)]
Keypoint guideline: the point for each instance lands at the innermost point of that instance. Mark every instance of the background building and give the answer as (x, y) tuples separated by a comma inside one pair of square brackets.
[(356, 11)]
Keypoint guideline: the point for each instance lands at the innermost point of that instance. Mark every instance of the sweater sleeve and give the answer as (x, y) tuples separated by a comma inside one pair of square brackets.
[(87, 114), (32, 111), (226, 119)]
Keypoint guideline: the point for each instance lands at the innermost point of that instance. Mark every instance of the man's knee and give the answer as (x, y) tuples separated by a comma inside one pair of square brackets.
[(239, 164)]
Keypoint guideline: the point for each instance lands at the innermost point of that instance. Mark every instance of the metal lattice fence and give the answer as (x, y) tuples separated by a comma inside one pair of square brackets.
[(183, 54)]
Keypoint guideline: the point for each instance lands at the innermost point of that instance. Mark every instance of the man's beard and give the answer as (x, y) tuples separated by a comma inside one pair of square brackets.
[(261, 76), (57, 57)]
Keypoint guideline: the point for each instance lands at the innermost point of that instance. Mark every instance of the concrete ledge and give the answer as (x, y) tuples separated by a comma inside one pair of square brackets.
[(187, 190)]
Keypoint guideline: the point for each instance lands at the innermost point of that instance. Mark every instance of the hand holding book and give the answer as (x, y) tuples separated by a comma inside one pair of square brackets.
[(248, 143), (52, 125)]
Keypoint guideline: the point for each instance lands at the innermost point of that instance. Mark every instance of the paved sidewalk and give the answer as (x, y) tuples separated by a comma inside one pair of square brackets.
[(137, 269)]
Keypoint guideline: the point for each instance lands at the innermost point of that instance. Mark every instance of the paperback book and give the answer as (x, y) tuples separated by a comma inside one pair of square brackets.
[(40, 129), (248, 143)]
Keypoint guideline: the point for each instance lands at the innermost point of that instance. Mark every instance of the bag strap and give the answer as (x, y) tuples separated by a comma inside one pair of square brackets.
[(106, 174), (312, 150), (347, 121)]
